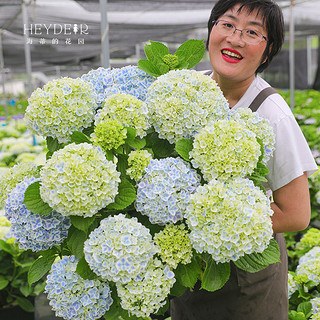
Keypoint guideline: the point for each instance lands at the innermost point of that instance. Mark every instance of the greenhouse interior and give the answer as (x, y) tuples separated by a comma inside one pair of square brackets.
[(78, 237)]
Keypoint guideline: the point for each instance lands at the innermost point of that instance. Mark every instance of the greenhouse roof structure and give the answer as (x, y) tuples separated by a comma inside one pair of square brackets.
[(67, 32)]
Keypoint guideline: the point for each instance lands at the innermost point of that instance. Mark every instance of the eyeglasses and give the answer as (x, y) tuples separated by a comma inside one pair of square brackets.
[(248, 35)]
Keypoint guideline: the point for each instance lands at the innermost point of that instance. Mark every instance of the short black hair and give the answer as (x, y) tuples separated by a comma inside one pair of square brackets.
[(271, 15)]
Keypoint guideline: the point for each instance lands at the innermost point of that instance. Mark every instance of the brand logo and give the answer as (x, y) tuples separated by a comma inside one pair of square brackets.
[(38, 29)]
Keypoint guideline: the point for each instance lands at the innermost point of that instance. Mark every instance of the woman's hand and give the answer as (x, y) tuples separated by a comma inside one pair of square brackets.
[(291, 206)]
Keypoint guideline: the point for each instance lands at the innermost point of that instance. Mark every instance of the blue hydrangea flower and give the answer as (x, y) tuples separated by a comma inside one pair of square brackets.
[(229, 219), (99, 79), (32, 230), (72, 297), (164, 191), (130, 80), (120, 249), (148, 293), (315, 302)]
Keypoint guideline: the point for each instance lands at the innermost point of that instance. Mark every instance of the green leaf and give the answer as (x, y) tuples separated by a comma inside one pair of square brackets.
[(84, 270), (155, 51), (39, 288), (109, 155), (258, 261), (33, 200), (306, 308), (126, 195), (79, 137), (191, 52), (148, 67), (41, 266), (25, 304), (7, 247), (137, 143), (3, 282), (122, 164), (75, 241), (294, 315), (183, 147), (82, 223), (162, 148), (87, 131), (53, 144), (26, 290), (178, 289), (188, 274), (131, 134), (215, 274)]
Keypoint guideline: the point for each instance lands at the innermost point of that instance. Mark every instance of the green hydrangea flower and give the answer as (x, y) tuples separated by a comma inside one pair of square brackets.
[(61, 107), (138, 160), (14, 176), (311, 238), (79, 180), (293, 285), (315, 316), (127, 110), (225, 149), (109, 134), (174, 245)]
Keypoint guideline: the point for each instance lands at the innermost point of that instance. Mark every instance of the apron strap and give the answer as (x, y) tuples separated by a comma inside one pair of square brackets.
[(262, 95)]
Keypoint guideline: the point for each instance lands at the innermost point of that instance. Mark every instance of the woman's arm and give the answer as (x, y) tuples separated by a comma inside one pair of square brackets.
[(291, 206)]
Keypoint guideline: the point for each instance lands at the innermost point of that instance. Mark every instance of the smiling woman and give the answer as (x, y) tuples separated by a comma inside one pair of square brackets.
[(243, 37)]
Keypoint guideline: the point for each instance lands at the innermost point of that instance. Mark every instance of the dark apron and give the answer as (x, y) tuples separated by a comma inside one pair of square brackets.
[(246, 296)]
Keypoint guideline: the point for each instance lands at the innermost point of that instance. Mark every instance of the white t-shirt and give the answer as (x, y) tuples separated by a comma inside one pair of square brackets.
[(292, 155)]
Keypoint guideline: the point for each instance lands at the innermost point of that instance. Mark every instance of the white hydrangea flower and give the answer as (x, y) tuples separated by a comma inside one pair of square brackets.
[(315, 305), (260, 126), (229, 219), (128, 110), (224, 149), (309, 265), (147, 295), (74, 298), (183, 101), (61, 107), (79, 180), (120, 249), (293, 286)]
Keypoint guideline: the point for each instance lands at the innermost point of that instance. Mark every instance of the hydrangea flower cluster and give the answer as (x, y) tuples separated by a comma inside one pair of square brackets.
[(127, 110), (147, 295), (72, 297), (293, 286), (309, 265), (260, 126), (79, 180), (183, 101), (174, 245), (120, 249), (32, 230), (311, 238), (15, 175), (130, 80), (229, 219), (109, 134), (61, 107), (138, 161), (164, 191), (314, 182), (4, 228), (315, 305), (224, 149), (99, 79)]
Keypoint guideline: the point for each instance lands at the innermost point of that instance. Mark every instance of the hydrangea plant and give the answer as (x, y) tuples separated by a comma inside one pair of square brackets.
[(138, 161), (309, 265)]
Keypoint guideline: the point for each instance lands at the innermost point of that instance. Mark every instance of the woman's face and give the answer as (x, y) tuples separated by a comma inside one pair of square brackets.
[(230, 56)]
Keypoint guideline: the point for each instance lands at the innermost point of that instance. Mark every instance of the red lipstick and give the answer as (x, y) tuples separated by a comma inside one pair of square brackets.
[(231, 55)]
